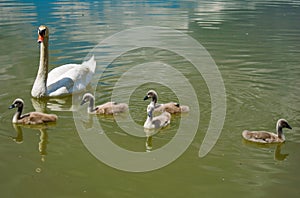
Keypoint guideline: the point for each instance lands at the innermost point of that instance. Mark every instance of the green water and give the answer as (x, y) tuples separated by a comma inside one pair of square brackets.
[(255, 45)]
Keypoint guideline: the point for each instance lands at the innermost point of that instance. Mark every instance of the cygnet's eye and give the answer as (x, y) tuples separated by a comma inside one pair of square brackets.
[(17, 103)]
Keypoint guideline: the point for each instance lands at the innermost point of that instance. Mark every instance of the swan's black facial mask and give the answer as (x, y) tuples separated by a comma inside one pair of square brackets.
[(41, 35), (42, 32)]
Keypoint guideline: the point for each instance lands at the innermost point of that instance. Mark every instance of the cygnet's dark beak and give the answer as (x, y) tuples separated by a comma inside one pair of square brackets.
[(288, 126), (11, 106), (82, 102), (146, 97)]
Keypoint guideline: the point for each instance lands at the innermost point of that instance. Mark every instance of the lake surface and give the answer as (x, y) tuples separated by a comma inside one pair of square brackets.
[(256, 48)]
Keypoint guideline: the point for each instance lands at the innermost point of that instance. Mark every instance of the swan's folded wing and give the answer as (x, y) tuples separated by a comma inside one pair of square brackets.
[(70, 78), (60, 72)]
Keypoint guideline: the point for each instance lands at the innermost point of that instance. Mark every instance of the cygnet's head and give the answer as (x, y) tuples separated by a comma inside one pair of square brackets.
[(17, 103), (86, 98), (151, 94), (282, 123)]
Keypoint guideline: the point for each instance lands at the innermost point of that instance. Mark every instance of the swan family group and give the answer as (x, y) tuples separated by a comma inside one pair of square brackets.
[(73, 78)]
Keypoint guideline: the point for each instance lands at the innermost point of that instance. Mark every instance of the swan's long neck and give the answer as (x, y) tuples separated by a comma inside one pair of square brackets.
[(280, 131), (91, 107), (39, 88), (18, 114)]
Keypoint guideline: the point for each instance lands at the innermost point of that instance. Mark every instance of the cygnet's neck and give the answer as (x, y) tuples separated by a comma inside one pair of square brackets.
[(18, 114), (154, 99), (91, 107), (280, 131), (148, 122), (150, 113)]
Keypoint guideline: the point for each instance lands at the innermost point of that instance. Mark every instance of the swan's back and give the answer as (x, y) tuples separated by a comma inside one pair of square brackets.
[(70, 78)]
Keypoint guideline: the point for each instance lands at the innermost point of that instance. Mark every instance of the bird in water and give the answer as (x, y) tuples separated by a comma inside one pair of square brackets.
[(171, 107), (62, 80), (158, 121), (268, 137), (106, 108), (30, 118)]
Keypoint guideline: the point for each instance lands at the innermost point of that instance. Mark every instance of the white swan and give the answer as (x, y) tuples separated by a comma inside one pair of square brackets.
[(63, 80)]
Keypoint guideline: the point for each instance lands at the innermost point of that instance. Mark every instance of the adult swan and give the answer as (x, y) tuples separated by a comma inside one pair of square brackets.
[(63, 80)]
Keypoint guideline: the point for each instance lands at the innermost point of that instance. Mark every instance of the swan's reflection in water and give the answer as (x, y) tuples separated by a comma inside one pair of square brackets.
[(278, 155), (42, 145), (66, 103)]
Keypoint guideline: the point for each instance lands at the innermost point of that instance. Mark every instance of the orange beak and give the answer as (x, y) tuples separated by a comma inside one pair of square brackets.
[(40, 39)]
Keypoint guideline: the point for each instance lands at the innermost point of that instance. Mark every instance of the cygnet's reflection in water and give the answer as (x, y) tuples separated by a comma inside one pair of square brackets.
[(42, 145), (150, 133), (89, 121), (277, 153)]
